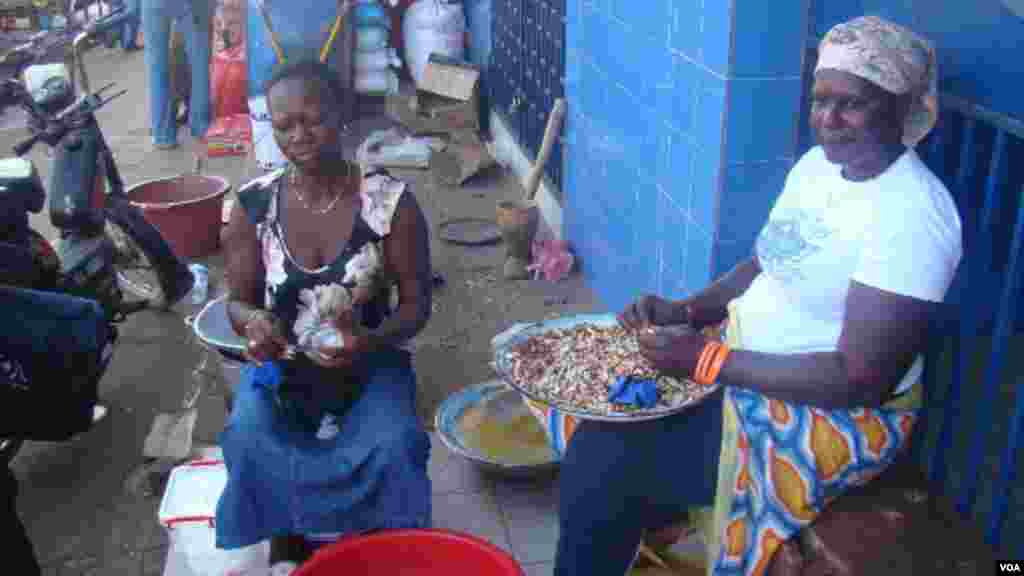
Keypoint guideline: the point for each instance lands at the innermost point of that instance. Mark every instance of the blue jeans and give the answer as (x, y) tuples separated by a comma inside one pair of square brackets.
[(130, 31), (157, 16), (618, 480)]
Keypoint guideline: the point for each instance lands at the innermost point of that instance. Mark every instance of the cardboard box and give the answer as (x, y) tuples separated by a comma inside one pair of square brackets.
[(429, 114), (451, 78), (447, 101)]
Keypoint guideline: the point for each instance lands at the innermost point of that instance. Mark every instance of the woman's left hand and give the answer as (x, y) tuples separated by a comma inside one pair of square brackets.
[(672, 350), (344, 357), (348, 352)]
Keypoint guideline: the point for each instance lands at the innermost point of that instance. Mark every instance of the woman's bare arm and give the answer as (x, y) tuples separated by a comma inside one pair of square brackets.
[(407, 256), (709, 305), (244, 268), (882, 334)]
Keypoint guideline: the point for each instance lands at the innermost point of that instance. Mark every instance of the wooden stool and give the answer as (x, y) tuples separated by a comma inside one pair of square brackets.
[(890, 526)]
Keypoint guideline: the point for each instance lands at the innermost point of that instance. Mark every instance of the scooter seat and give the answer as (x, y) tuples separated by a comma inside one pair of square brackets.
[(20, 185)]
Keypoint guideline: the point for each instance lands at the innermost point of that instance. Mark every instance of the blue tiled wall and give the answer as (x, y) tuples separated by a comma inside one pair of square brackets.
[(646, 86), (684, 117), (763, 113), (978, 42), (682, 125)]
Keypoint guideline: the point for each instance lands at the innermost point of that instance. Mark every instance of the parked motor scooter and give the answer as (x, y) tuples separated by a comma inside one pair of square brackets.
[(106, 249)]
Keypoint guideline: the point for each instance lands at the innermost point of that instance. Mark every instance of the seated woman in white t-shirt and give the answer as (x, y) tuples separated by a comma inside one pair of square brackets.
[(826, 325)]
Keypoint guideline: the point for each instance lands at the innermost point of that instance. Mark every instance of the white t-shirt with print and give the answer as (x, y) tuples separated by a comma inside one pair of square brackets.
[(898, 232)]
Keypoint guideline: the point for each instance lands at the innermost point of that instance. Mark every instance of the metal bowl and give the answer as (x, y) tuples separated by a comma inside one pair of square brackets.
[(487, 400), (214, 330)]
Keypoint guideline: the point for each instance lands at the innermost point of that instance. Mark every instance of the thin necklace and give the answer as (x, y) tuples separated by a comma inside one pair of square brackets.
[(292, 179)]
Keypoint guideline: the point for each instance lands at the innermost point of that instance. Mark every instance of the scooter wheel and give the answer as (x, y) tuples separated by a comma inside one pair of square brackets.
[(145, 265)]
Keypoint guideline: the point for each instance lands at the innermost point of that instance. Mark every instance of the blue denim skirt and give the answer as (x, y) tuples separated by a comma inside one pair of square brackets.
[(370, 474)]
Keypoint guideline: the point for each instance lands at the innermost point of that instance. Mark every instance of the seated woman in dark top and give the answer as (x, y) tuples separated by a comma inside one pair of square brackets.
[(324, 442)]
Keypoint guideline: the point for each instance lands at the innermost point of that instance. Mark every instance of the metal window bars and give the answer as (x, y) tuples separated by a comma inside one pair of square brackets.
[(527, 71)]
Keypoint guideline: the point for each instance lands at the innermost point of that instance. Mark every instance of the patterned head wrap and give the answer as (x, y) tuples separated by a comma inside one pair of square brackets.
[(891, 57)]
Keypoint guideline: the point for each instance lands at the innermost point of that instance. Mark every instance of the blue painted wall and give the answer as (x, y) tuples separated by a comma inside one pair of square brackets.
[(762, 120), (646, 90), (682, 125), (980, 43), (684, 116)]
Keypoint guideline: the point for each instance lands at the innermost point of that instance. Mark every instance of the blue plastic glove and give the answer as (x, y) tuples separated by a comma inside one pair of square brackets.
[(642, 393), (270, 377), (267, 375)]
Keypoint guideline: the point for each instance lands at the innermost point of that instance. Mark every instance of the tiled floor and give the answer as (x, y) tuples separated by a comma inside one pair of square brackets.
[(517, 516)]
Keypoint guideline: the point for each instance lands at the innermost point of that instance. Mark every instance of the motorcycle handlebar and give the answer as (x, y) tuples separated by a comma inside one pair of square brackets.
[(117, 17), (23, 147), (6, 98)]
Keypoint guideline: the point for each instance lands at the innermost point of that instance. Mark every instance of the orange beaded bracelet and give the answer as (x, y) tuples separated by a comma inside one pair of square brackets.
[(716, 366), (704, 361), (710, 362)]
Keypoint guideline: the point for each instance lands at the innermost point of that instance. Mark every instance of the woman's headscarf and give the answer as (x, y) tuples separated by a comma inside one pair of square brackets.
[(891, 57)]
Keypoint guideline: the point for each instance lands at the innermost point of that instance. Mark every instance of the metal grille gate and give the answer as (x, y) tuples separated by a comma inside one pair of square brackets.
[(527, 71)]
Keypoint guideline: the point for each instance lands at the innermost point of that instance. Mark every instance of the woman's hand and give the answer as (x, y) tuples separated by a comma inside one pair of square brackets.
[(672, 350), (353, 348), (653, 311), (265, 338)]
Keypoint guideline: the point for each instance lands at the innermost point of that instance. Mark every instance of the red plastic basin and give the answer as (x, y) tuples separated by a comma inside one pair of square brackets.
[(411, 553), (185, 209)]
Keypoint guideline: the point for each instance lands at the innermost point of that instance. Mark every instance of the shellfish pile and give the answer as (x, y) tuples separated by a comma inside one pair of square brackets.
[(576, 368)]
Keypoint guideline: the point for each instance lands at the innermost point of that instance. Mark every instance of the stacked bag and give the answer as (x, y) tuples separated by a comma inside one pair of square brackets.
[(230, 132), (374, 59), (433, 27)]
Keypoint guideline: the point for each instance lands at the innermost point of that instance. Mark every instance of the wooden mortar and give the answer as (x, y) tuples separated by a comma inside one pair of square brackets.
[(518, 221)]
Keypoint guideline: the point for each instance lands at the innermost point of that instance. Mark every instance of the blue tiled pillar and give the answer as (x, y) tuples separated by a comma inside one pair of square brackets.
[(682, 124), (646, 91), (764, 91)]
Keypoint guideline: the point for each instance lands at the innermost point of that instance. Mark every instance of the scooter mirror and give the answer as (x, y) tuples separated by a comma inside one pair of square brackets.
[(54, 95)]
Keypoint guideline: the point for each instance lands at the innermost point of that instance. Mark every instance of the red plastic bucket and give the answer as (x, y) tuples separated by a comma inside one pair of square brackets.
[(185, 209), (411, 553)]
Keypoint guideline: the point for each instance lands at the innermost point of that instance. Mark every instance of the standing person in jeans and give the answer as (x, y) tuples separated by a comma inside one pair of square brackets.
[(41, 14), (194, 17), (130, 31)]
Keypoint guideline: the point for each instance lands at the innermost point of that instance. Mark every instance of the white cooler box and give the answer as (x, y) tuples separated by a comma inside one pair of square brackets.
[(187, 512)]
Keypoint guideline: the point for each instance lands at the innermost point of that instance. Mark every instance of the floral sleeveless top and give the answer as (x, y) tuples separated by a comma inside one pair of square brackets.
[(304, 397), (285, 278)]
